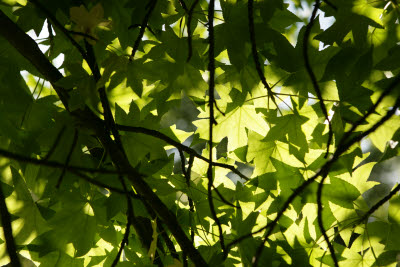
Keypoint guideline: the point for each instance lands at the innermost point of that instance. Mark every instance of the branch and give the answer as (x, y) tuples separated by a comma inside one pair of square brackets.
[(108, 116), (55, 144), (320, 222), (30, 50), (324, 169), (223, 200), (60, 27), (254, 51), (130, 217), (189, 33), (293, 95), (371, 110), (211, 69), (312, 75), (379, 203), (179, 146), (329, 3), (7, 230), (142, 28), (187, 174), (71, 150), (54, 164), (183, 5)]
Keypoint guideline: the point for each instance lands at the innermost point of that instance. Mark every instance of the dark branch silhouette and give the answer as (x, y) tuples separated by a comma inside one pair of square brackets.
[(143, 27), (255, 54), (85, 117), (189, 31), (312, 75), (7, 230), (211, 69), (179, 146), (71, 150)]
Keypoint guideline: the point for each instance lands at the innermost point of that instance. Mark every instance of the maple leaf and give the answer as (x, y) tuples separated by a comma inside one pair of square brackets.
[(88, 21)]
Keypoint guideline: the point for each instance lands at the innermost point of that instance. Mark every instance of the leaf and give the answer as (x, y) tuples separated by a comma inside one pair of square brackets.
[(86, 22), (233, 125), (341, 192)]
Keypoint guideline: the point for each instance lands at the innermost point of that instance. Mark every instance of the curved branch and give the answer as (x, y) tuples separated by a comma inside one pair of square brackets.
[(60, 27), (312, 75), (71, 150), (320, 222), (324, 169), (254, 51), (142, 28), (178, 145)]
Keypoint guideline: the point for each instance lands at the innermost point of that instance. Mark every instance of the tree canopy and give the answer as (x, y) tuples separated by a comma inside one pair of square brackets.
[(198, 133)]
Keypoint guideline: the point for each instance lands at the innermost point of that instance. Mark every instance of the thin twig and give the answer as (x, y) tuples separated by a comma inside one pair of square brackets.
[(189, 29), (380, 203), (191, 204), (183, 4), (55, 144), (320, 222), (51, 37), (84, 35), (130, 218), (312, 75), (187, 174), (97, 183), (54, 164), (371, 110), (224, 200), (293, 95), (29, 49), (7, 230), (329, 3), (254, 52), (178, 145), (324, 169), (71, 150), (142, 28), (59, 26)]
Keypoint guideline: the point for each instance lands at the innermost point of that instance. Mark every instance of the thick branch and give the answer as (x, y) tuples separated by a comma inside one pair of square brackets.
[(211, 69), (7, 229), (29, 49)]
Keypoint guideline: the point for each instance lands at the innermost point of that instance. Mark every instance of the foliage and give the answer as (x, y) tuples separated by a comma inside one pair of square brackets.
[(188, 132)]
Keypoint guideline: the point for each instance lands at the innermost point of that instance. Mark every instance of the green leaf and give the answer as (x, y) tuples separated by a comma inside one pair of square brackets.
[(341, 192)]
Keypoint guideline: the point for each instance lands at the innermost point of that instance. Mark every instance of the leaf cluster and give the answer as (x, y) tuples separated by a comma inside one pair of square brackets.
[(198, 133)]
